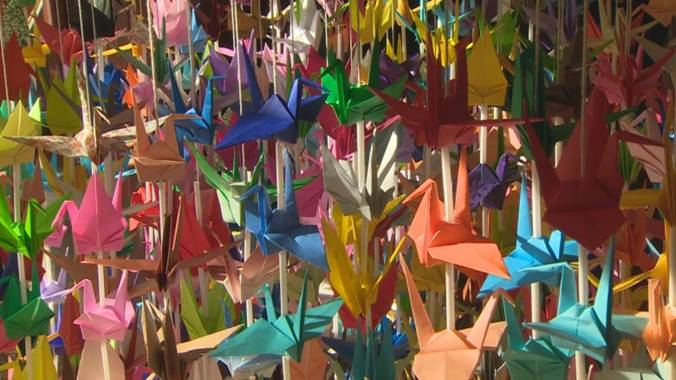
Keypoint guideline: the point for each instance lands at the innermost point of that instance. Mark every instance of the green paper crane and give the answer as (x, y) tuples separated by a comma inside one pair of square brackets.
[(530, 87), (24, 320), (353, 103), (26, 237), (284, 334), (230, 185), (536, 359), (199, 323)]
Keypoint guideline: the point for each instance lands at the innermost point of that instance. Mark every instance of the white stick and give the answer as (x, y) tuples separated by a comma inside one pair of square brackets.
[(16, 187), (283, 286), (100, 271), (447, 182), (671, 359), (483, 153), (583, 270)]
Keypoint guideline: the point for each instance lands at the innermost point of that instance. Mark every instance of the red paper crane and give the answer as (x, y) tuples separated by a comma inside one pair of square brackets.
[(447, 118), (584, 205)]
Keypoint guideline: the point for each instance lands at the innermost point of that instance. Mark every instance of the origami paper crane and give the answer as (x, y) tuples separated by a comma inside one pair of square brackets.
[(91, 361), (486, 83), (18, 72), (452, 242), (284, 334), (592, 329), (359, 290), (197, 322), (54, 291), (340, 179), (658, 335), (446, 118), (528, 84), (162, 271), (89, 142), (243, 283), (314, 363), (451, 354), (26, 237), (199, 130), (281, 229), (66, 43), (351, 102), (274, 118), (19, 124), (531, 252), (173, 15), (41, 359), (488, 187), (370, 359), (24, 319), (166, 358), (307, 31), (633, 85), (98, 224), (107, 320), (536, 359), (590, 219), (229, 185), (160, 160), (243, 367)]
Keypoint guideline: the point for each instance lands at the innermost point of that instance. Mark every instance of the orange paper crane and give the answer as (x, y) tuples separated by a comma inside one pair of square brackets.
[(584, 205), (160, 160), (451, 242), (658, 335), (450, 354)]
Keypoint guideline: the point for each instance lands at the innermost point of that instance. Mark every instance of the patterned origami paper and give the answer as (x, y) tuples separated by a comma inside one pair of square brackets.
[(450, 353), (452, 242), (592, 329), (488, 187), (531, 252), (284, 334)]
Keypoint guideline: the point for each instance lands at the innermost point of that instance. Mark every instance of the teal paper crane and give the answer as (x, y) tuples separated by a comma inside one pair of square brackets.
[(535, 359), (283, 334), (592, 329), (531, 252)]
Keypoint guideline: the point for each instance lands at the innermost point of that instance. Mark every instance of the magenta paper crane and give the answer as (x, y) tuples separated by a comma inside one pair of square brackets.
[(98, 225), (105, 320)]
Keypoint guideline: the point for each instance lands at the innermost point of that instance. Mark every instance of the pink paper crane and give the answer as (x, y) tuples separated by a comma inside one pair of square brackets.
[(106, 320), (98, 225)]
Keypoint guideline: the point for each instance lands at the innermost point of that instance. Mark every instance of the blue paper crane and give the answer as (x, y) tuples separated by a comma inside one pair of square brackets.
[(281, 229), (274, 118), (531, 252), (592, 329)]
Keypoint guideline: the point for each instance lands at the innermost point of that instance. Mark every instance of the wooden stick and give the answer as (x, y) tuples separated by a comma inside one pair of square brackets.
[(583, 260), (449, 278), (483, 147)]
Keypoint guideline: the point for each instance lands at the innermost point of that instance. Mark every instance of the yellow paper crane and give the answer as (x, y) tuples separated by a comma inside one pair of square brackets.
[(374, 22), (487, 84), (358, 289), (42, 363), (19, 124)]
